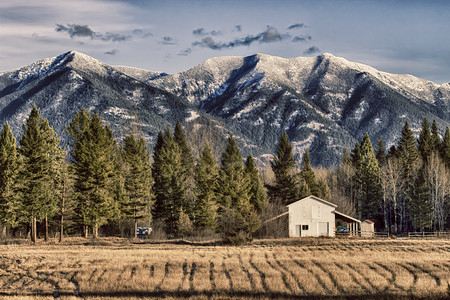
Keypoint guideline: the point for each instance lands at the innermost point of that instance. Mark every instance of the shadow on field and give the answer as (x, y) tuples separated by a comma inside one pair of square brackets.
[(210, 295)]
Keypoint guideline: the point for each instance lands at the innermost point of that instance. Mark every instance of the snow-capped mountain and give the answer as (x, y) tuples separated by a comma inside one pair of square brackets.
[(324, 103)]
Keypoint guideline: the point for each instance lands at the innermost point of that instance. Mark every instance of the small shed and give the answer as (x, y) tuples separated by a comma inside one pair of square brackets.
[(353, 225), (367, 228), (311, 216)]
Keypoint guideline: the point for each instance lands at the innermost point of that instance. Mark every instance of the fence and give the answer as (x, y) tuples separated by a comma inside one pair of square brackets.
[(422, 234), (433, 234), (363, 234)]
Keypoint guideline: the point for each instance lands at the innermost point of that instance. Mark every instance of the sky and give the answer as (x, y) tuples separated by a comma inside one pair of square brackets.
[(410, 36)]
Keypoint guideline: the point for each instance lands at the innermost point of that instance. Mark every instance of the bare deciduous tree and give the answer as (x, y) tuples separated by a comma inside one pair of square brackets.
[(392, 183), (439, 182)]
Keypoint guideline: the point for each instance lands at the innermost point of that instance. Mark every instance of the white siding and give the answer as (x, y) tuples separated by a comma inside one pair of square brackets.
[(311, 217)]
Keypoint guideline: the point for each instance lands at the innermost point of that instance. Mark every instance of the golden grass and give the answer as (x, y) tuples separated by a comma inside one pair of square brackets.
[(112, 268)]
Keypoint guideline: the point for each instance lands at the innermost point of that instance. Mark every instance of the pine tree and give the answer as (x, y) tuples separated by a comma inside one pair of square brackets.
[(371, 194), (234, 187), (283, 165), (435, 138), (408, 156), (258, 196), (184, 224), (425, 141), (356, 188), (39, 148), (64, 190), (187, 164), (206, 181), (346, 160), (234, 195), (421, 207), (10, 162), (307, 173), (138, 180), (94, 164), (380, 153), (168, 187), (445, 149)]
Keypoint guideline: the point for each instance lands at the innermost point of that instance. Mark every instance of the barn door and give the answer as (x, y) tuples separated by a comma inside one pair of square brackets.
[(323, 228), (298, 230)]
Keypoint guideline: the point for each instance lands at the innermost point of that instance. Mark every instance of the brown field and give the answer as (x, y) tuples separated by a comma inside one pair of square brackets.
[(123, 269)]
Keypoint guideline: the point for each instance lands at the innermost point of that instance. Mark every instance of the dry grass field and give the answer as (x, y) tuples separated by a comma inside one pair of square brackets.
[(123, 269)]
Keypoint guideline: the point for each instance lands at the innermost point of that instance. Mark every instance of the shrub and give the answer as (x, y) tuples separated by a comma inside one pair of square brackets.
[(236, 226)]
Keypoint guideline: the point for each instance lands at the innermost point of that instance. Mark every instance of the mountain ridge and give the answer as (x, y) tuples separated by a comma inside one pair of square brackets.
[(325, 103)]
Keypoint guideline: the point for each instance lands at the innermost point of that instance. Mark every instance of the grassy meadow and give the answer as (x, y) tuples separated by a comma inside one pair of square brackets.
[(290, 268)]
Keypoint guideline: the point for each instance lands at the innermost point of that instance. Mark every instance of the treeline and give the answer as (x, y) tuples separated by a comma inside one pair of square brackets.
[(98, 182), (404, 188)]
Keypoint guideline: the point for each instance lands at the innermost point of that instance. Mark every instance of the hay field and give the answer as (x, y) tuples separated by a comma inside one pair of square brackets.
[(112, 268)]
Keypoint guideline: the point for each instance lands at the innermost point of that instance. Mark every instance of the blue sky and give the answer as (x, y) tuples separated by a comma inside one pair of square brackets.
[(173, 35)]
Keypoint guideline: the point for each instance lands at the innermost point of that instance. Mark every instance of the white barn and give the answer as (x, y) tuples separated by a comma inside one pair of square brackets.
[(312, 216)]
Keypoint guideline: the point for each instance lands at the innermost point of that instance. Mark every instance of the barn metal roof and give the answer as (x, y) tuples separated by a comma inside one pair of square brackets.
[(315, 198), (344, 216)]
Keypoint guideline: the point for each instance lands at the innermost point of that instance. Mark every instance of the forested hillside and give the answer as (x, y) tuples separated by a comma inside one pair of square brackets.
[(98, 181), (324, 103)]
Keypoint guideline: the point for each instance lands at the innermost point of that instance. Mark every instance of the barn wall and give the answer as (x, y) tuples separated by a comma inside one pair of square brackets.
[(315, 214)]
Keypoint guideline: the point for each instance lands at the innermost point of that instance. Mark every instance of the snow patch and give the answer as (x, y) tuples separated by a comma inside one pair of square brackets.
[(258, 122), (313, 125), (163, 110), (248, 109), (193, 115), (119, 112), (299, 147)]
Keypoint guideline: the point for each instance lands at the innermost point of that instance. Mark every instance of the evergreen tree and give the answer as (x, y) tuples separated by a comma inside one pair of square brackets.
[(380, 153), (445, 149), (168, 187), (234, 196), (206, 181), (187, 164), (283, 165), (324, 189), (425, 141), (258, 196), (64, 190), (94, 164), (371, 194), (138, 180), (408, 156), (346, 159), (10, 162), (435, 138), (39, 148), (356, 188), (184, 224), (234, 184), (307, 173), (421, 207)]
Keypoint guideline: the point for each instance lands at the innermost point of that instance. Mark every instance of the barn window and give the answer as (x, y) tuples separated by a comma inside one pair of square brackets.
[(305, 227)]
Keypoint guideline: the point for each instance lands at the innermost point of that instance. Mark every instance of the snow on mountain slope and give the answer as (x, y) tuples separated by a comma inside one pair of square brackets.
[(325, 103)]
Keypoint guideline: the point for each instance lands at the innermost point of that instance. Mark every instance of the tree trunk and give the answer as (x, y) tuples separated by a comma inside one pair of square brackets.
[(61, 224), (33, 229), (135, 228), (61, 229), (86, 229), (95, 231), (46, 228), (4, 231)]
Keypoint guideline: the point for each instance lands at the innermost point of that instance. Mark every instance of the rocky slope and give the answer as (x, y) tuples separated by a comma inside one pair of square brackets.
[(324, 103)]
